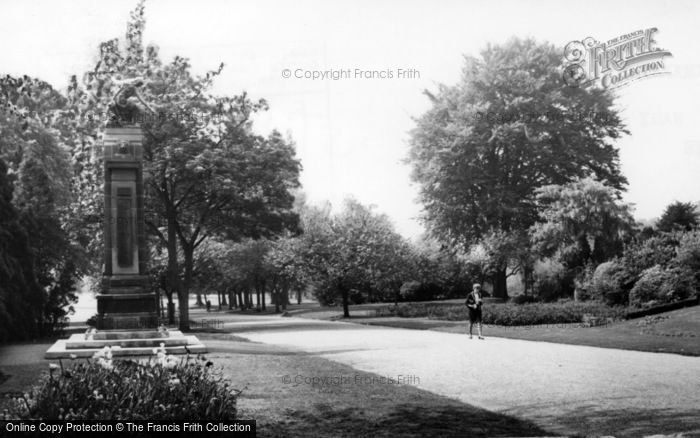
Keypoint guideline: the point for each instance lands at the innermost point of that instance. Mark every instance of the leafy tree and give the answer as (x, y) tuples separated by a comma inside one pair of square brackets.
[(286, 268), (20, 294), (498, 250), (507, 128), (56, 258), (32, 141), (354, 250), (678, 216), (443, 271), (581, 222)]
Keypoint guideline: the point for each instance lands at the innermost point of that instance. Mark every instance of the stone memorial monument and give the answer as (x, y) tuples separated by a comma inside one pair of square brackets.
[(126, 307)]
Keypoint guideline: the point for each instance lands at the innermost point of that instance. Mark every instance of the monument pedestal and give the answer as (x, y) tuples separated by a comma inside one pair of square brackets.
[(126, 307), (126, 303), (125, 344)]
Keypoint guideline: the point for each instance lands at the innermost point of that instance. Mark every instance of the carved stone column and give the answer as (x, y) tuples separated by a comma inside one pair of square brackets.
[(125, 301)]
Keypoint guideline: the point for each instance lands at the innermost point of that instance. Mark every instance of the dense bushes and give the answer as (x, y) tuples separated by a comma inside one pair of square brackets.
[(647, 288), (688, 254), (659, 286), (551, 281), (164, 388), (606, 284), (510, 314), (523, 299), (661, 269), (417, 291)]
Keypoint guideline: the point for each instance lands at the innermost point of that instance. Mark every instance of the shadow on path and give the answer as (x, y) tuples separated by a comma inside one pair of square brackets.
[(404, 420)]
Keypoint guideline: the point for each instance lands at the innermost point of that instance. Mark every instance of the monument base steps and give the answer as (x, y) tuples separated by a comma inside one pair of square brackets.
[(125, 344)]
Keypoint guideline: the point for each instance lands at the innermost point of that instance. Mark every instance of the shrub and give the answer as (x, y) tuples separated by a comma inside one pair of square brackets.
[(510, 314), (679, 285), (409, 289), (647, 291), (523, 299), (661, 286), (688, 255), (657, 250), (164, 388), (417, 291), (607, 284)]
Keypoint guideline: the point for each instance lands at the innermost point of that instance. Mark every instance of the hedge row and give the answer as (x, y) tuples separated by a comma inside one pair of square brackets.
[(510, 314)]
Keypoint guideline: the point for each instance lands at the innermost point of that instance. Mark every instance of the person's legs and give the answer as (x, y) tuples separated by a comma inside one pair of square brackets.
[(479, 317), (472, 320)]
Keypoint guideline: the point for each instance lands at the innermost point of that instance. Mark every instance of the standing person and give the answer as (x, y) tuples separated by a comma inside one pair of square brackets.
[(474, 303)]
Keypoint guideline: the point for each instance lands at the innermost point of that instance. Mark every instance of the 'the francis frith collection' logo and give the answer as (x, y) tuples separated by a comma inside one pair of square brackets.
[(613, 63)]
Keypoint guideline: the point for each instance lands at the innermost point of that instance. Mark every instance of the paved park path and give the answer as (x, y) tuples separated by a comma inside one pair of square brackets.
[(548, 383)]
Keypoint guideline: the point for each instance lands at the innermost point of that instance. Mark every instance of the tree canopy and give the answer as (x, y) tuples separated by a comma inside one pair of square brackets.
[(678, 216), (507, 128), (581, 222)]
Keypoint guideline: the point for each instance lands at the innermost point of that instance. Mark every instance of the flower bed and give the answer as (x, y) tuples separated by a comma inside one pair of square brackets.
[(162, 388)]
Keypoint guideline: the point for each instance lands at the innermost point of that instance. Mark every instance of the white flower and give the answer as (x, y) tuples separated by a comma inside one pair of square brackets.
[(106, 364), (53, 366)]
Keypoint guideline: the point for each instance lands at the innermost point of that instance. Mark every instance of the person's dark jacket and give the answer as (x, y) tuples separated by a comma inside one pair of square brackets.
[(471, 301)]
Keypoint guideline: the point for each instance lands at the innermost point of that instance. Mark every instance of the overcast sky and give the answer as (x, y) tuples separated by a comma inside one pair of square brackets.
[(351, 134)]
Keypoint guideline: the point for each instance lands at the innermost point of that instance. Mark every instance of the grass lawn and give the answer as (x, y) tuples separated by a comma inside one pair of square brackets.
[(676, 332), (349, 404)]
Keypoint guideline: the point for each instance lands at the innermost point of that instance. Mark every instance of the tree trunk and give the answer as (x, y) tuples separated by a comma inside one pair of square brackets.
[(189, 263), (299, 296), (345, 292), (285, 297), (174, 274), (500, 288), (276, 296)]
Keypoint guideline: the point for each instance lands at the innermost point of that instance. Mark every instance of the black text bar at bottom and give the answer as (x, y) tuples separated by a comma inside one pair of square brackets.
[(138, 428)]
